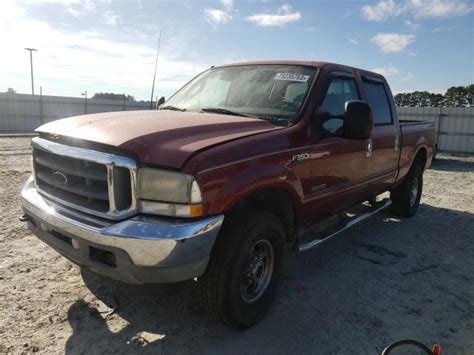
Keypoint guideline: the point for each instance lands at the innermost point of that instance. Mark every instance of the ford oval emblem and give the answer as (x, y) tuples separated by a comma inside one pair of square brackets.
[(60, 178)]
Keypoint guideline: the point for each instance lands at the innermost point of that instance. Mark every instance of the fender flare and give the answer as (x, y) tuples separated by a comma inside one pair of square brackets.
[(255, 178)]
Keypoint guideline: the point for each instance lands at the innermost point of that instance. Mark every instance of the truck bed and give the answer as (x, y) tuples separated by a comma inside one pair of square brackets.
[(414, 133)]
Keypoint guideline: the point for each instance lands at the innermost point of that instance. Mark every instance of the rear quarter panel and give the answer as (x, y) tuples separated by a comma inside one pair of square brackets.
[(415, 136)]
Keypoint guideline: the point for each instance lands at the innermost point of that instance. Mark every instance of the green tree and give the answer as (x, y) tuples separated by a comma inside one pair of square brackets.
[(112, 96), (455, 96)]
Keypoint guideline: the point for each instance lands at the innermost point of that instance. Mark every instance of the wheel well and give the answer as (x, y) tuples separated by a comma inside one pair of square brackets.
[(420, 157), (274, 200)]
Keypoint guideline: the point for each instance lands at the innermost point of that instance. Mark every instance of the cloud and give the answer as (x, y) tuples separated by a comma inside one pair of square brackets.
[(228, 5), (68, 62), (215, 16), (386, 9), (110, 18), (407, 76), (387, 71), (353, 40), (392, 42), (442, 29), (440, 8), (390, 72), (381, 11), (283, 16)]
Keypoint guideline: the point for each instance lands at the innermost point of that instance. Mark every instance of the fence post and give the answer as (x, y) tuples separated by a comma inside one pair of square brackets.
[(438, 129)]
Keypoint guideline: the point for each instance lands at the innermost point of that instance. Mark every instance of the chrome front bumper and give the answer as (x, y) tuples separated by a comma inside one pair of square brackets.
[(138, 250)]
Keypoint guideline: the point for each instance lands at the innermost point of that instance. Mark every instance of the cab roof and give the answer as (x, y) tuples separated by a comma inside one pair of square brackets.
[(318, 64)]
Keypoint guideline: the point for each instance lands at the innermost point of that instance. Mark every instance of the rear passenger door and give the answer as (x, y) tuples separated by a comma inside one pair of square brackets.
[(383, 162)]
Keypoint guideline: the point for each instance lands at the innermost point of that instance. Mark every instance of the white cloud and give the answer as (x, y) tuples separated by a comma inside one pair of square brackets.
[(381, 11), (390, 72), (407, 77), (283, 16), (67, 63), (440, 8), (353, 40), (442, 29), (392, 42), (387, 71), (228, 5), (110, 18), (386, 9), (215, 16)]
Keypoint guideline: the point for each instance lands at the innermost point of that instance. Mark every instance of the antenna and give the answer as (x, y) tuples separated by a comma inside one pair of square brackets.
[(154, 75)]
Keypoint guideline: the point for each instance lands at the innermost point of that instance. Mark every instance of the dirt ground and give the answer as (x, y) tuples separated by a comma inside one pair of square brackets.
[(381, 281)]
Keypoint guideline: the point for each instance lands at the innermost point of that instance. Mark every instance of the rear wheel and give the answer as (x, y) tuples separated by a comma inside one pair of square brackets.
[(242, 276), (406, 197)]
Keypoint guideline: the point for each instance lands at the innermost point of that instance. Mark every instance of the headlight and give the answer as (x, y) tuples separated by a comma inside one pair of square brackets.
[(168, 193)]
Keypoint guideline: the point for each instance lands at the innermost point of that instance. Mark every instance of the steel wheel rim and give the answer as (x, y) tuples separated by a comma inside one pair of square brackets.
[(257, 271), (414, 191)]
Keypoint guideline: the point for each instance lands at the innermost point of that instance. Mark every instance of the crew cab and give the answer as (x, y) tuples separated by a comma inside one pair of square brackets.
[(225, 177)]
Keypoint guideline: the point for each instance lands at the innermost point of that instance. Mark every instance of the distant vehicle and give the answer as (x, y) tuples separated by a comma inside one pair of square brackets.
[(232, 170)]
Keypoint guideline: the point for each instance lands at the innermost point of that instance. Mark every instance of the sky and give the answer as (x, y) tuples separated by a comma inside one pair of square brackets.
[(110, 45)]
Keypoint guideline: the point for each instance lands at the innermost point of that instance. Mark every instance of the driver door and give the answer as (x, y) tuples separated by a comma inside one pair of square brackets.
[(339, 167)]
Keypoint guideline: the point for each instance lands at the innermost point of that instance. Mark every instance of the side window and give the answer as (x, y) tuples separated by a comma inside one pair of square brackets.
[(377, 99), (339, 91)]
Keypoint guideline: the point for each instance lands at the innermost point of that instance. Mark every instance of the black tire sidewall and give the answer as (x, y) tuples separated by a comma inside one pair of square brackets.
[(246, 230), (417, 172)]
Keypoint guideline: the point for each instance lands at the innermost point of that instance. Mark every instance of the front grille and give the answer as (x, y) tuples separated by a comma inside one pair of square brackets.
[(97, 183)]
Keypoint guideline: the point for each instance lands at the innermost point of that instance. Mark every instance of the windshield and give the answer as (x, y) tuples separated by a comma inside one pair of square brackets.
[(263, 91)]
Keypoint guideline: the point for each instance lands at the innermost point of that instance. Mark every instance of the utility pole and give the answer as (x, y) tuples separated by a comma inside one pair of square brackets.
[(85, 103), (31, 65), (154, 75)]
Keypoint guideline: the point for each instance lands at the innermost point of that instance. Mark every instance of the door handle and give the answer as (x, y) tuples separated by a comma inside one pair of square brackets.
[(397, 142), (368, 148)]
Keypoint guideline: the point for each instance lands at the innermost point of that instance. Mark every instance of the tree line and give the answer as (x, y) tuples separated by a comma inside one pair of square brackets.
[(455, 96)]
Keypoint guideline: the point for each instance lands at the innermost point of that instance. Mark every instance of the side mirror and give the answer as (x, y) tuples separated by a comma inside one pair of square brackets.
[(358, 120), (160, 102)]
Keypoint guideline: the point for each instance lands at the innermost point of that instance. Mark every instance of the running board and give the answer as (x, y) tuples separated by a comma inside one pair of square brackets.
[(351, 222)]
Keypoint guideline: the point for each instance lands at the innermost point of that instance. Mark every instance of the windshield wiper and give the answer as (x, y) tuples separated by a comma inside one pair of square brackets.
[(225, 112), (173, 108), (277, 121)]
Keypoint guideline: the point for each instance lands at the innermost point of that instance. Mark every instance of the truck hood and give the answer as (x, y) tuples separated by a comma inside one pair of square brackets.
[(165, 138)]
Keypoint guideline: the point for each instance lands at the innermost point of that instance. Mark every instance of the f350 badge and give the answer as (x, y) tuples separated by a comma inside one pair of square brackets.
[(300, 157)]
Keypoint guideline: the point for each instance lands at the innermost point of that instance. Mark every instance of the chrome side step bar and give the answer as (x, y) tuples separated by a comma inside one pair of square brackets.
[(351, 222)]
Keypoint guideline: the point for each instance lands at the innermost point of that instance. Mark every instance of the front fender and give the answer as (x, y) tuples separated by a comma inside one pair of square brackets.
[(255, 178)]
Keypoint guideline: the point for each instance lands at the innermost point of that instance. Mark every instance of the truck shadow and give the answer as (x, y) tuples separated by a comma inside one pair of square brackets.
[(454, 165), (381, 281)]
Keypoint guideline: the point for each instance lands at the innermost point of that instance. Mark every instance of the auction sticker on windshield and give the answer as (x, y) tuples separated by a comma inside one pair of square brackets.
[(302, 78)]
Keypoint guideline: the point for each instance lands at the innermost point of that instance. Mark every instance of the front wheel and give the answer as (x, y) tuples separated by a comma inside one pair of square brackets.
[(242, 276), (406, 197)]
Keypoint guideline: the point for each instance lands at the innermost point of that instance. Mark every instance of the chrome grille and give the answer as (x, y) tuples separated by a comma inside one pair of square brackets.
[(98, 183)]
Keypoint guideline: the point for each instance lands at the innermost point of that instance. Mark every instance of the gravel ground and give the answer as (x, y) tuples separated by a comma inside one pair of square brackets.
[(381, 281)]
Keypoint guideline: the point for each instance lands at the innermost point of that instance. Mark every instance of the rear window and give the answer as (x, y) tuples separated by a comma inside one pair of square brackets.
[(378, 101)]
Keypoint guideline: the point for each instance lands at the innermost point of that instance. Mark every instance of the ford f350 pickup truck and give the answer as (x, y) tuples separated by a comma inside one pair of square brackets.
[(228, 174)]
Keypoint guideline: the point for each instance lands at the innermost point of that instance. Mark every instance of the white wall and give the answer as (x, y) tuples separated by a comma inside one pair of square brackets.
[(21, 113), (454, 126)]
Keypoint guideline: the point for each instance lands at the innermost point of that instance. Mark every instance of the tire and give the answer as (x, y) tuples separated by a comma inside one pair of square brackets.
[(406, 197), (247, 245)]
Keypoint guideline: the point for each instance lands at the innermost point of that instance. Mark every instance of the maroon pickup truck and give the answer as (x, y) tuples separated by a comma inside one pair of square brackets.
[(228, 175)]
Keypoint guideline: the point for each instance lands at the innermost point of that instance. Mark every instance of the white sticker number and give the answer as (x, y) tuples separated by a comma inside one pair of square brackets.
[(302, 78)]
